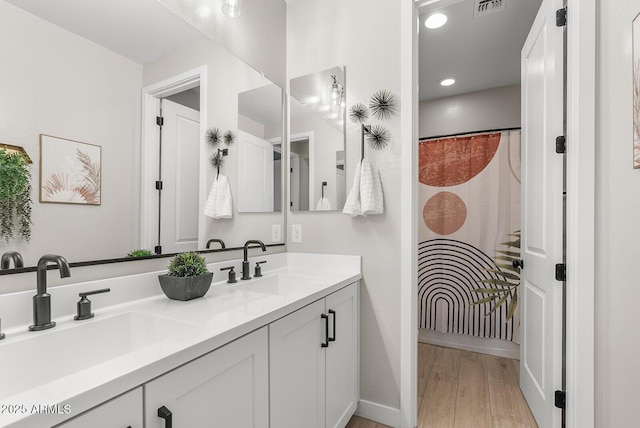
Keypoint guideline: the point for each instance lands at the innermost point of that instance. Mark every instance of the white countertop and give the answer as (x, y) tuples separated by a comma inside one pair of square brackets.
[(227, 312)]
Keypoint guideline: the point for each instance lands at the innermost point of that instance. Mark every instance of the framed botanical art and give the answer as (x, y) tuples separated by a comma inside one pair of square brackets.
[(636, 91), (70, 171)]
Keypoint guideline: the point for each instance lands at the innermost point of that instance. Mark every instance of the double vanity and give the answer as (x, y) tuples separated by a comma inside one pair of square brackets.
[(276, 351)]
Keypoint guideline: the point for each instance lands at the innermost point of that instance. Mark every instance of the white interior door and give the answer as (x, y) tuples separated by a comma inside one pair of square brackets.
[(180, 178), (255, 174), (542, 215)]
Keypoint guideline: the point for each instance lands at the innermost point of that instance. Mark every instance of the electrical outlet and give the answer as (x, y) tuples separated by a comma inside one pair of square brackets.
[(276, 233), (296, 233)]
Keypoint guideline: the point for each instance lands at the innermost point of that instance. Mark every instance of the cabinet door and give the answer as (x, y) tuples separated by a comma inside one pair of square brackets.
[(342, 356), (297, 368), (227, 388), (122, 412)]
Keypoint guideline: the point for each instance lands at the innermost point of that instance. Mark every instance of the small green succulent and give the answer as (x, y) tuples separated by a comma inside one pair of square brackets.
[(187, 264), (140, 253)]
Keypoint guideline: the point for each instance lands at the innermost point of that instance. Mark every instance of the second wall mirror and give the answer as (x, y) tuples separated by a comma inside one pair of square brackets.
[(317, 141)]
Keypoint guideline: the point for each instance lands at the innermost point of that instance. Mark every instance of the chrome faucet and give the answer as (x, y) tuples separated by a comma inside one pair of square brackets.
[(219, 241), (245, 261), (5, 262), (42, 300)]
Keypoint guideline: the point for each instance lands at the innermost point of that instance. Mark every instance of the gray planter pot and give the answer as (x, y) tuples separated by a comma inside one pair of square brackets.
[(185, 288)]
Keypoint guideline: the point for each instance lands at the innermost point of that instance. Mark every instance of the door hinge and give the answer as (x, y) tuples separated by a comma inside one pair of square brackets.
[(560, 399), (158, 185), (561, 272), (561, 144), (159, 120), (561, 17)]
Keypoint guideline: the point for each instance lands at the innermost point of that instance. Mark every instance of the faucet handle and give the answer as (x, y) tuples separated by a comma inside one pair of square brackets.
[(258, 270), (232, 274), (84, 305)]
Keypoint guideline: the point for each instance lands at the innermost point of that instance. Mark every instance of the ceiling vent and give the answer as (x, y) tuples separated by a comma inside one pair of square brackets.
[(485, 7)]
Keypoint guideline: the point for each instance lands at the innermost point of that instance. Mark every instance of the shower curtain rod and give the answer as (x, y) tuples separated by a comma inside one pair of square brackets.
[(469, 133)]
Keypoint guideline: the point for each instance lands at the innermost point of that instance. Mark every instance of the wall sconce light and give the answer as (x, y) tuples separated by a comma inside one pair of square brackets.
[(231, 8), (337, 91)]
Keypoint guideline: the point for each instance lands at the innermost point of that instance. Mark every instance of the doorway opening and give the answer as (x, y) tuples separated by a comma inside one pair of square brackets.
[(581, 108), (461, 304), (191, 122)]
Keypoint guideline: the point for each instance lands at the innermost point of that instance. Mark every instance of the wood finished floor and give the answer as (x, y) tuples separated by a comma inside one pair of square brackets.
[(462, 389)]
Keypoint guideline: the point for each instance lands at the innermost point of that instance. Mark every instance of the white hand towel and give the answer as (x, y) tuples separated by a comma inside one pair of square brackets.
[(323, 205), (365, 196), (219, 203), (352, 205), (370, 190)]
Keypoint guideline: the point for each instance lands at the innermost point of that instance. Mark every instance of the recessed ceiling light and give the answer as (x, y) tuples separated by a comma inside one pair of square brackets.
[(447, 81), (436, 20)]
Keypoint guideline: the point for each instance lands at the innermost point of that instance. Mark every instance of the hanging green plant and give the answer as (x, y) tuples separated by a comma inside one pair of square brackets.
[(15, 196), (506, 285)]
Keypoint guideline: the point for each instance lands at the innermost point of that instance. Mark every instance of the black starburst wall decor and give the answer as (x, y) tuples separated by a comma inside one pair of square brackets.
[(358, 113), (382, 106), (213, 136), (229, 138), (378, 137)]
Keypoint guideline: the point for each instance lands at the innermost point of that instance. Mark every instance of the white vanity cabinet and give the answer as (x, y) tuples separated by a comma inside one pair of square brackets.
[(313, 356), (124, 411), (228, 387)]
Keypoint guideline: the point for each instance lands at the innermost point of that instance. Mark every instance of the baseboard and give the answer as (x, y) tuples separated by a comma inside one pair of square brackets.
[(497, 347), (379, 413)]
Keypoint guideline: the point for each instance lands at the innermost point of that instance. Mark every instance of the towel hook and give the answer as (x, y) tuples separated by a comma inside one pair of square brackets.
[(365, 129), (219, 161)]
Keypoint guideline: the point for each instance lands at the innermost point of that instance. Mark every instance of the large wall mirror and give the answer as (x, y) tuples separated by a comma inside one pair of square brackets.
[(99, 73), (317, 141)]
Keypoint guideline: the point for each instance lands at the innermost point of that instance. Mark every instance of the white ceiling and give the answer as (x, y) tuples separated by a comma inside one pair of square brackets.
[(141, 30), (480, 53)]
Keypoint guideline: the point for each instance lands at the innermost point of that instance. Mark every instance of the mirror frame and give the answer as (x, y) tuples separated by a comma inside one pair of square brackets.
[(128, 259)]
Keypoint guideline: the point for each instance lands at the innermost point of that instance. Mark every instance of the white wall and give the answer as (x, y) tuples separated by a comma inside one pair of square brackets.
[(322, 34), (617, 232), (496, 108), (54, 82), (227, 76)]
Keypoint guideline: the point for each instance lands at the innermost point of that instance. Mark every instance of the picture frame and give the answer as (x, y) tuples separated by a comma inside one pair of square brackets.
[(636, 90), (70, 171)]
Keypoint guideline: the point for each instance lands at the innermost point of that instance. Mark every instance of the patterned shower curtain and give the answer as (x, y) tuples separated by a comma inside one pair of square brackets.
[(469, 197)]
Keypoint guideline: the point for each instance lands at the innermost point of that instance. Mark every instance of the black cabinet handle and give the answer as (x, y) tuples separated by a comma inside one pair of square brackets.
[(333, 338), (165, 414), (325, 344)]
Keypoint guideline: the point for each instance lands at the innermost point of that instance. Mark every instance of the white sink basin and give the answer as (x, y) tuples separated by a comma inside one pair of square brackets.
[(279, 284), (41, 357)]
